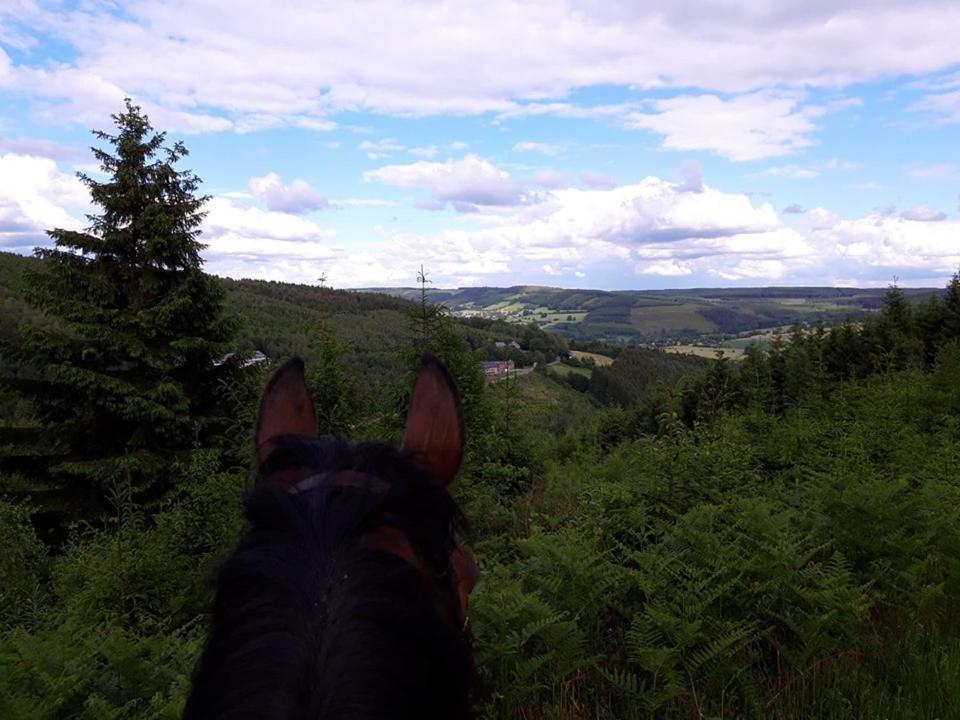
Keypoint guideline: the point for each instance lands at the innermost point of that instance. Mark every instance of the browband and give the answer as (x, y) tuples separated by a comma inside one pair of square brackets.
[(341, 478)]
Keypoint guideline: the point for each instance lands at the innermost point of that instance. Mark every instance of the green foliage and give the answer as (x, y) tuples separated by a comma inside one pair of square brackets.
[(125, 378), (123, 624), (636, 371), (23, 565)]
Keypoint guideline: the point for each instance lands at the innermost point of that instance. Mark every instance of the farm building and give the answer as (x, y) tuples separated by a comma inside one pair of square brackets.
[(498, 368)]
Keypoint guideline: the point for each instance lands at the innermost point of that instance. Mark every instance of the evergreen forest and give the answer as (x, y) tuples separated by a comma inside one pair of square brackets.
[(663, 537)]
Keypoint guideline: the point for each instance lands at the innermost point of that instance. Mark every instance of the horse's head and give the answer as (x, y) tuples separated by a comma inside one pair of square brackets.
[(348, 597)]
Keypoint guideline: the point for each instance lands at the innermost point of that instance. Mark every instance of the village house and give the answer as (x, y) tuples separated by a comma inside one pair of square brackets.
[(498, 368)]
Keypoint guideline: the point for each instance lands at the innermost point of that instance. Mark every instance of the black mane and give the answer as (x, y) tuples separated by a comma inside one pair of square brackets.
[(309, 623)]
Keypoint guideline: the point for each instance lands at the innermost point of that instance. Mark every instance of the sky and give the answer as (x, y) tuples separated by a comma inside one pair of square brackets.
[(597, 144)]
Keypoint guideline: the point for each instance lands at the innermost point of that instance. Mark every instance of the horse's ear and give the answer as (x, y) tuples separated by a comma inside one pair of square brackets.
[(286, 408), (434, 434)]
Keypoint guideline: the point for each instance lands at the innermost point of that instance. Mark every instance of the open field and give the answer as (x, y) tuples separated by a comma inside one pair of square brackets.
[(654, 316), (564, 370), (734, 353), (598, 359)]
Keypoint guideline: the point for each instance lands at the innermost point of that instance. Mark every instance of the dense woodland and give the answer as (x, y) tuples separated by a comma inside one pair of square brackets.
[(675, 538)]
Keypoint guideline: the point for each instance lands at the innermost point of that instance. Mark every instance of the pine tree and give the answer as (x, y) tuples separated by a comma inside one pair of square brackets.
[(951, 319), (895, 331), (123, 375), (776, 358), (435, 333)]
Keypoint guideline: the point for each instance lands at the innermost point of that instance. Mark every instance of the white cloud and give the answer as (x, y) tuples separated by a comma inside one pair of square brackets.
[(421, 59), (792, 171), (924, 213), (362, 202), (472, 181), (745, 127), (550, 178), (692, 177), (880, 245), (35, 196), (666, 268), (386, 146), (653, 228), (226, 218), (940, 172), (943, 108), (801, 172), (427, 151), (38, 147), (297, 197), (383, 145), (538, 147), (250, 242)]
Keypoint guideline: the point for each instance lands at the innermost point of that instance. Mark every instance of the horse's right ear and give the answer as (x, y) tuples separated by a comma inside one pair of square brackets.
[(286, 408), (434, 435)]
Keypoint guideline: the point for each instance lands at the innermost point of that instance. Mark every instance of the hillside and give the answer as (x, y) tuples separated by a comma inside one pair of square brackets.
[(660, 316), (285, 319)]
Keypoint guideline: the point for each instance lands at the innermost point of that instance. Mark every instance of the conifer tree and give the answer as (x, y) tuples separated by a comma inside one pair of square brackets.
[(893, 331), (124, 374), (951, 315), (434, 332)]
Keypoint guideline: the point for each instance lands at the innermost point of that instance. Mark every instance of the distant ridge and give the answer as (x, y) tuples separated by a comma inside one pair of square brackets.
[(659, 316)]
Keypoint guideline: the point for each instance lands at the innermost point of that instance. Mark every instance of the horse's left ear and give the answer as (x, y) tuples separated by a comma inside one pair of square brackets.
[(286, 408), (434, 435)]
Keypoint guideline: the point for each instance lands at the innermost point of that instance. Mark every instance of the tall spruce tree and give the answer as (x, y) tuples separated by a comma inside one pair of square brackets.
[(124, 375)]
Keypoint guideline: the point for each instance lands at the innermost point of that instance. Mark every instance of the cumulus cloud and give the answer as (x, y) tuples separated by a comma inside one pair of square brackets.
[(426, 57), (225, 218), (39, 147), (924, 213), (692, 177), (297, 197), (652, 227), (879, 245), (469, 182), (247, 241), (35, 196), (794, 210), (744, 127)]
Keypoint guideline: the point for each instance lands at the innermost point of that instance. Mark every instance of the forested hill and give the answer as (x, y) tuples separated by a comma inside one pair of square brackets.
[(286, 319), (661, 315)]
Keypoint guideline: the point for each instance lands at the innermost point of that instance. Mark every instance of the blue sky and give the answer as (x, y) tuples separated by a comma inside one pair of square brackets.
[(576, 144)]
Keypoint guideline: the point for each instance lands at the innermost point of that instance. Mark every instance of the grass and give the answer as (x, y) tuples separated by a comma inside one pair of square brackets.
[(913, 677), (598, 359), (734, 353), (564, 370)]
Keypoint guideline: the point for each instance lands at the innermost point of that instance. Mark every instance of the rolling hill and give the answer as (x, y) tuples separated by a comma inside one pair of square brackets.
[(659, 316)]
